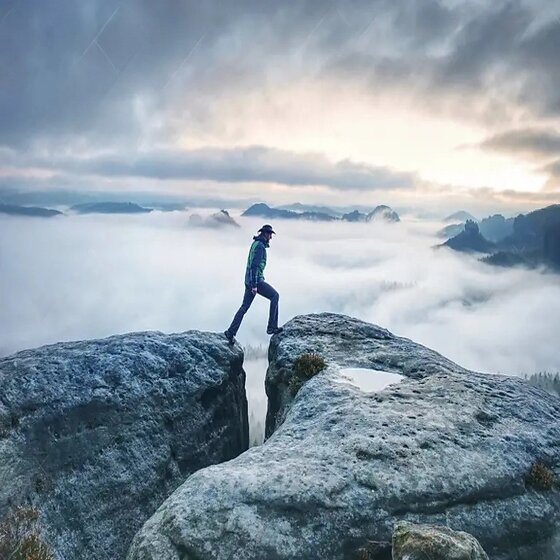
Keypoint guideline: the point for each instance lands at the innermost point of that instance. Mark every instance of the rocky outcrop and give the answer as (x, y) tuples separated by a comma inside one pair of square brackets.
[(420, 542), (445, 446), (470, 240), (96, 434), (382, 213), (494, 228), (217, 220), (346, 342), (354, 216)]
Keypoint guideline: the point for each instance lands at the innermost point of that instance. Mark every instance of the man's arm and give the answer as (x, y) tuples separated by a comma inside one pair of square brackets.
[(258, 257)]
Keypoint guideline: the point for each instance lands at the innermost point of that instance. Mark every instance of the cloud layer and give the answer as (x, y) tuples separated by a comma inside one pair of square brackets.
[(104, 66), (88, 276)]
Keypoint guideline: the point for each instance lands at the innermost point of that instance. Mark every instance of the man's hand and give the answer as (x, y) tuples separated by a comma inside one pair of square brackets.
[(254, 291)]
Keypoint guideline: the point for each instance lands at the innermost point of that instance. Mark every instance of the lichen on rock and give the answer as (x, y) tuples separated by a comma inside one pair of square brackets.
[(431, 542)]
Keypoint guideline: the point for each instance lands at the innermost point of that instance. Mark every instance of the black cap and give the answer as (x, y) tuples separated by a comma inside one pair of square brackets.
[(267, 228)]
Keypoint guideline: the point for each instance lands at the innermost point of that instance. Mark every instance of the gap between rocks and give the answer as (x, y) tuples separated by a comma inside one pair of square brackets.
[(255, 364)]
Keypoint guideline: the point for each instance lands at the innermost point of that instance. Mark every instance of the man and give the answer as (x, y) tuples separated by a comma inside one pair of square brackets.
[(255, 284)]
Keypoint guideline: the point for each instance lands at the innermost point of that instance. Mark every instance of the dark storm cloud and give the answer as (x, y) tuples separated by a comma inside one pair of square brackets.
[(253, 164), (487, 40), (502, 50), (78, 66), (493, 53), (101, 70)]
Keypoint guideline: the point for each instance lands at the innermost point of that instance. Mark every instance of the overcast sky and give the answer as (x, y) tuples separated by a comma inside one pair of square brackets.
[(434, 103)]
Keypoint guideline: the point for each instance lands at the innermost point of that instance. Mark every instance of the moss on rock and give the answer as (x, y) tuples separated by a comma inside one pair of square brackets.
[(305, 367)]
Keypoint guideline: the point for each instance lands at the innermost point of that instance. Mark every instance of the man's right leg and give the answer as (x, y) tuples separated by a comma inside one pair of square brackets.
[(267, 291), (248, 298)]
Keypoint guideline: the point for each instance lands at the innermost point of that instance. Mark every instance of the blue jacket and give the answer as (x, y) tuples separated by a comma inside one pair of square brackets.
[(256, 262)]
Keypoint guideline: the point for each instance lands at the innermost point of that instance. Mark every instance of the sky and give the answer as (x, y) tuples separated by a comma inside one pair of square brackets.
[(78, 277), (432, 105)]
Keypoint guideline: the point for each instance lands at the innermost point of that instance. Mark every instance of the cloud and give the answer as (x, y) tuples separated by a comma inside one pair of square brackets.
[(111, 69), (532, 142), (552, 186), (554, 169), (87, 276), (146, 271), (253, 164), (80, 80)]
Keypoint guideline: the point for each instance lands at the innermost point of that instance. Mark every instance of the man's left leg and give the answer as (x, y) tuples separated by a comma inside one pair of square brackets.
[(248, 298), (267, 291)]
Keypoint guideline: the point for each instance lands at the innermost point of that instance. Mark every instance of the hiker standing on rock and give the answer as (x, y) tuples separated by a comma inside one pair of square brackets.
[(255, 284)]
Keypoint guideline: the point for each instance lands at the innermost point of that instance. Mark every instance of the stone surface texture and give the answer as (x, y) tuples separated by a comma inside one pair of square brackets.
[(97, 433), (434, 542), (446, 446)]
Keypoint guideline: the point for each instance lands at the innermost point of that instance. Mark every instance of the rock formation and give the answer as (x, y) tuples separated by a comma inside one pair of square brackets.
[(494, 228), (96, 434), (346, 342), (432, 542), (355, 216), (470, 240), (445, 446), (382, 213), (217, 220)]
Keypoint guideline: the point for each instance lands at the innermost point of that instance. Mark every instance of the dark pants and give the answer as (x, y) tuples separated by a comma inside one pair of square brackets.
[(265, 290)]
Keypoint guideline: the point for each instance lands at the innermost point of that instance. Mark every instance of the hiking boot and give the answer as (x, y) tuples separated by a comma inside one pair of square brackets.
[(230, 337), (275, 330)]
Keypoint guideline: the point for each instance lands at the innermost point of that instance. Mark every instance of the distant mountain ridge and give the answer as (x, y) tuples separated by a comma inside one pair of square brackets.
[(354, 216), (534, 239), (217, 220), (495, 228), (299, 207), (470, 240), (381, 213), (262, 210), (110, 208), (32, 211), (460, 216)]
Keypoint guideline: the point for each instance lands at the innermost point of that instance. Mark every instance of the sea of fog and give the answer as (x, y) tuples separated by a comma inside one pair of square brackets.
[(85, 276)]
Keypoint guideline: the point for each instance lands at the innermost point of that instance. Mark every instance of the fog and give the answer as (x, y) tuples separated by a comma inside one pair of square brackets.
[(84, 276)]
